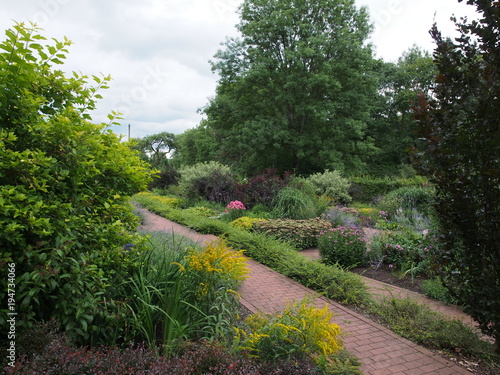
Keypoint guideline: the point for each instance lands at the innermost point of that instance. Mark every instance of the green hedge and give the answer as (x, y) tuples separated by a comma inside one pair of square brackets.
[(365, 189)]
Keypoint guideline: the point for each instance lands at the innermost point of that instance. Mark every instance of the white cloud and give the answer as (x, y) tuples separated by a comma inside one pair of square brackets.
[(157, 51)]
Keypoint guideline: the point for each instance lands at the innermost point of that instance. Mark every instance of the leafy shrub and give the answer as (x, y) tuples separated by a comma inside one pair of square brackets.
[(401, 249), (262, 188), (343, 245), (212, 181), (369, 216), (300, 233), (182, 292), (245, 222), (291, 203), (64, 212), (168, 176), (331, 184), (435, 289), (407, 198), (234, 210), (300, 330), (57, 355)]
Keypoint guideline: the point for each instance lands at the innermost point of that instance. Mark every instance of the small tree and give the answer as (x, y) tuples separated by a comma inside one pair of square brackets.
[(460, 132)]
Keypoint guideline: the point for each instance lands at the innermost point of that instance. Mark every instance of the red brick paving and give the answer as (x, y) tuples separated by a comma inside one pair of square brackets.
[(380, 351)]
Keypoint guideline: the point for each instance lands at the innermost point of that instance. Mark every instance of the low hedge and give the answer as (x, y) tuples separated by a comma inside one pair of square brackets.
[(366, 189), (302, 234), (333, 282)]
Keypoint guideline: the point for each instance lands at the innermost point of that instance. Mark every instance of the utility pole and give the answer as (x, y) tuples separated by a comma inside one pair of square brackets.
[(129, 132)]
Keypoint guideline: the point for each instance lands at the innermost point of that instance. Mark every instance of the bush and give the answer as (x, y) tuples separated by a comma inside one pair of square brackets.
[(57, 355), (245, 222), (64, 213), (212, 181), (301, 329), (262, 188), (331, 184), (184, 292), (301, 234), (291, 203), (402, 249), (343, 245), (168, 176), (424, 326), (435, 289), (201, 211), (408, 198)]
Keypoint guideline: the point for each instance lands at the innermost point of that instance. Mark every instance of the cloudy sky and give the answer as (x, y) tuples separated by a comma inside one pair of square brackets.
[(157, 51)]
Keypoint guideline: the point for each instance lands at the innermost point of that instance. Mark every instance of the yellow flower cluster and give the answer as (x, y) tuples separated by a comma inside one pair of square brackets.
[(217, 257), (245, 222), (301, 327)]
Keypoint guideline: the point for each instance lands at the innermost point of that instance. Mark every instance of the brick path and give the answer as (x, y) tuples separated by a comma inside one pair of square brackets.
[(380, 351)]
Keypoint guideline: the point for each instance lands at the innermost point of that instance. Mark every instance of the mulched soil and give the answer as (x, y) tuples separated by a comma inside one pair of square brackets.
[(384, 275)]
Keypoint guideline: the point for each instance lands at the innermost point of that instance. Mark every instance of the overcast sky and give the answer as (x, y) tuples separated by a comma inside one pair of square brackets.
[(157, 51)]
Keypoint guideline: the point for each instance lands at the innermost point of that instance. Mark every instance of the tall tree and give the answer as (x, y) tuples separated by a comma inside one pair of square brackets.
[(460, 129), (393, 124), (295, 91), (194, 146)]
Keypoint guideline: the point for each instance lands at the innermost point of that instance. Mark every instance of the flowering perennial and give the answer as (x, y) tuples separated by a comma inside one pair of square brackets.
[(236, 205)]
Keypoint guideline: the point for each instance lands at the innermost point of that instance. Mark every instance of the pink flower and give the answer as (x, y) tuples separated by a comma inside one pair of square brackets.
[(236, 205)]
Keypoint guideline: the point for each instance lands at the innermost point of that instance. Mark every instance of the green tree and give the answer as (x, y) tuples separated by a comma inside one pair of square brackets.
[(64, 212), (460, 149), (295, 91), (156, 148), (393, 124), (194, 146)]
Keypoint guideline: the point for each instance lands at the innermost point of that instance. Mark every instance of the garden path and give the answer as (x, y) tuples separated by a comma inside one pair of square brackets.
[(380, 351)]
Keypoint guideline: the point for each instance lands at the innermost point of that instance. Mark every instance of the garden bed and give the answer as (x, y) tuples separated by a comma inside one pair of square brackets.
[(385, 275)]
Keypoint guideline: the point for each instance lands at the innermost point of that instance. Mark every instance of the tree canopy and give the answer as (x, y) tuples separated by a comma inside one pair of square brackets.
[(392, 125), (295, 91)]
